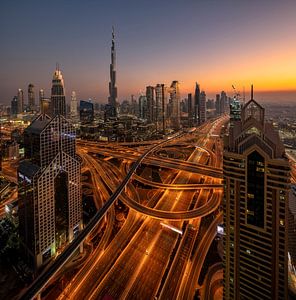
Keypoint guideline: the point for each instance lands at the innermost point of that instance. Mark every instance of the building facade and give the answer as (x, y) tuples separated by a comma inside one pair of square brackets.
[(175, 105), (256, 178), (58, 99), (196, 102), (31, 97), (49, 189), (14, 107), (20, 99), (86, 111), (202, 111), (161, 107), (151, 107), (112, 100), (73, 108)]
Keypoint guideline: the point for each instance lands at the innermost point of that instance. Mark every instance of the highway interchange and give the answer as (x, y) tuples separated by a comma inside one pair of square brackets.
[(145, 259)]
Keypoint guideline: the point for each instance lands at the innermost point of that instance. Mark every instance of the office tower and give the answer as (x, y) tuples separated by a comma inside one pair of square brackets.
[(196, 103), (223, 102), (73, 110), (112, 100), (49, 189), (20, 99), (134, 106), (45, 106), (202, 108), (256, 177), (31, 97), (14, 107), (41, 97), (143, 107), (150, 95), (86, 111), (58, 100), (217, 105), (190, 111), (175, 105), (161, 107)]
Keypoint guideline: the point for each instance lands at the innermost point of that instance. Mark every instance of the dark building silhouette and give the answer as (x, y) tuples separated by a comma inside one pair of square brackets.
[(151, 107), (31, 97), (86, 111), (14, 107), (196, 103)]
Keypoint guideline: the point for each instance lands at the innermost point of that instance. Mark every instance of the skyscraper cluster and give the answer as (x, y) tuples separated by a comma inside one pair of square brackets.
[(49, 188)]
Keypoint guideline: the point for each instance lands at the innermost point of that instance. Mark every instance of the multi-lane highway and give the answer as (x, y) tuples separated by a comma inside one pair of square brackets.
[(144, 257)]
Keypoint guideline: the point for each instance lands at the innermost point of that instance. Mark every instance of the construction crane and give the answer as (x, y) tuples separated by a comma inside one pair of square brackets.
[(236, 94)]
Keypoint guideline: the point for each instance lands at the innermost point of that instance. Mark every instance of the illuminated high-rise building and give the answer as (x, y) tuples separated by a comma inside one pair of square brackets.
[(49, 189), (161, 107), (20, 99), (31, 97), (256, 176), (41, 97), (196, 102), (112, 100), (151, 107), (202, 108), (73, 109), (58, 99), (175, 105)]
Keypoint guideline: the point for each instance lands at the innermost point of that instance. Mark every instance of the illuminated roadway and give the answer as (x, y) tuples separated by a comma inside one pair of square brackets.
[(137, 259), (57, 264)]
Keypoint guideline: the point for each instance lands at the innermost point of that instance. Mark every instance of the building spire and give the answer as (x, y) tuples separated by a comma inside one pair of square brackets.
[(113, 34), (57, 66), (252, 92)]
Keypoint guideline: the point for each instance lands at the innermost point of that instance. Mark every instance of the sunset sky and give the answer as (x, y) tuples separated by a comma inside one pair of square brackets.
[(214, 42)]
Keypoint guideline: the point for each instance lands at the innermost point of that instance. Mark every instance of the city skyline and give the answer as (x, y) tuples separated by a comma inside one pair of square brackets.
[(259, 50)]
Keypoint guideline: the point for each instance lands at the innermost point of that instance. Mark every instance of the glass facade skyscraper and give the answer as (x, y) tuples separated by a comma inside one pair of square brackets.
[(256, 176), (58, 100), (50, 208)]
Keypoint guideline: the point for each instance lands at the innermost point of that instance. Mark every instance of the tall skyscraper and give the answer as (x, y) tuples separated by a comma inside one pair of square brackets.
[(217, 105), (73, 109), (202, 108), (41, 97), (20, 99), (31, 97), (58, 100), (196, 103), (49, 189), (256, 174), (112, 100), (175, 105), (190, 110), (14, 107), (143, 107), (151, 107), (161, 107), (223, 102)]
